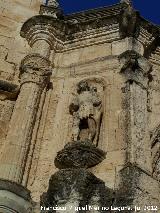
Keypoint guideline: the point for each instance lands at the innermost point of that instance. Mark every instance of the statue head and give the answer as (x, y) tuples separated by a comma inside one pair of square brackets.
[(83, 86), (52, 3)]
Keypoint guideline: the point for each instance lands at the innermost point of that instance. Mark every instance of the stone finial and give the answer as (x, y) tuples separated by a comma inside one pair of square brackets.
[(52, 3), (129, 2), (51, 8)]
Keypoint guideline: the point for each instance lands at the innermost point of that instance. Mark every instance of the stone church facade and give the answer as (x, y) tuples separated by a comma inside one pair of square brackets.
[(79, 109)]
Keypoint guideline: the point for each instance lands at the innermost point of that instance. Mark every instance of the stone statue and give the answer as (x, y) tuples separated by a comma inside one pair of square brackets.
[(86, 109), (52, 3), (129, 2), (128, 21)]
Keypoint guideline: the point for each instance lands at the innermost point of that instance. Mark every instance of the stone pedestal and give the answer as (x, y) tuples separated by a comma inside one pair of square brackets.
[(75, 190), (73, 187)]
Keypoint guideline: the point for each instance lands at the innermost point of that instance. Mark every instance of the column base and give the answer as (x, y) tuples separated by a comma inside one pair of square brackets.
[(14, 198)]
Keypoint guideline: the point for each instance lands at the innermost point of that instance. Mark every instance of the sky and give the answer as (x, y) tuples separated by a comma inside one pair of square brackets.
[(149, 9)]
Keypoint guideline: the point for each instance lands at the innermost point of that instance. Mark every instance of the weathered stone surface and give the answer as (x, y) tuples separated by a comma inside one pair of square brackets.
[(134, 189), (79, 154), (114, 49), (76, 185)]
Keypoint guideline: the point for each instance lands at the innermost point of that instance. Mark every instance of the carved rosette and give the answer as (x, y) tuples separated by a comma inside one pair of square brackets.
[(36, 69)]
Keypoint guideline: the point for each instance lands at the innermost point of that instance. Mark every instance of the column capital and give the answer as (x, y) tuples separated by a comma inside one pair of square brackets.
[(42, 27), (35, 68)]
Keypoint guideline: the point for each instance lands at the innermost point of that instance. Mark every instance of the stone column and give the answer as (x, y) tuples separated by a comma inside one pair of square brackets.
[(136, 72), (133, 189), (34, 75)]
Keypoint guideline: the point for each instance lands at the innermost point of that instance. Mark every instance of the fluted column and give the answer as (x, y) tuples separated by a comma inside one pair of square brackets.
[(34, 77), (35, 71)]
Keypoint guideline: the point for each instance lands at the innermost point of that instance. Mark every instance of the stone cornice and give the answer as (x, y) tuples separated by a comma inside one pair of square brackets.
[(96, 26)]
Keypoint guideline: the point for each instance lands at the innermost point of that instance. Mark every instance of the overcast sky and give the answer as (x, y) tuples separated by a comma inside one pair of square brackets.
[(149, 9)]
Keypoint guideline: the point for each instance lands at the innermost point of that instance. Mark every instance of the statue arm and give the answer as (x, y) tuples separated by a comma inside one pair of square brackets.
[(74, 106)]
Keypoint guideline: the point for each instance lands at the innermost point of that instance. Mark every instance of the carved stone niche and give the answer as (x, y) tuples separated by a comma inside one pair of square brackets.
[(86, 109)]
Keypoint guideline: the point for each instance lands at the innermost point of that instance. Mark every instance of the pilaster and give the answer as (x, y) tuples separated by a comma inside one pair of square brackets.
[(136, 179)]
